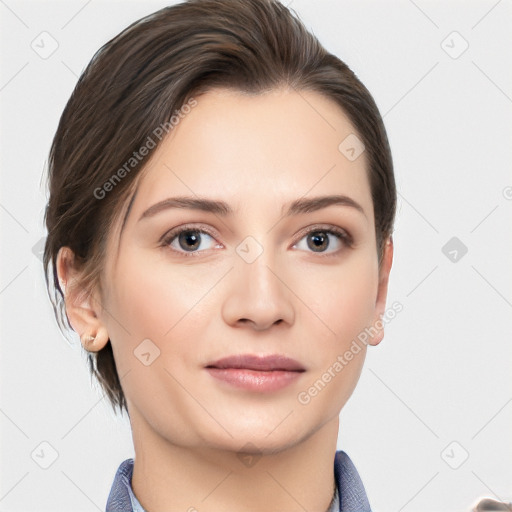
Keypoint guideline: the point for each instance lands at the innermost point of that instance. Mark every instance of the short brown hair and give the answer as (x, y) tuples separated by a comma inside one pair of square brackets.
[(136, 82)]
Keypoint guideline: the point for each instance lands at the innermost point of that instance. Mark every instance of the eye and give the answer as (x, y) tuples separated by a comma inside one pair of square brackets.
[(318, 240), (187, 240)]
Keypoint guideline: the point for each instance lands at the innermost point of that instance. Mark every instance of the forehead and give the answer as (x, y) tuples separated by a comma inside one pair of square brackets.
[(256, 148)]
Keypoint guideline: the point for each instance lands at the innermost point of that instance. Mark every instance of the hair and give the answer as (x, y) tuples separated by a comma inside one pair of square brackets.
[(135, 83)]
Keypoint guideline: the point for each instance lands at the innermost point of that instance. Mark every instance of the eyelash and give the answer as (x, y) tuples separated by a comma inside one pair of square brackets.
[(342, 235)]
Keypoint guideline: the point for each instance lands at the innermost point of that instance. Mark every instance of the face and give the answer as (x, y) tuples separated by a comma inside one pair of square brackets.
[(253, 277)]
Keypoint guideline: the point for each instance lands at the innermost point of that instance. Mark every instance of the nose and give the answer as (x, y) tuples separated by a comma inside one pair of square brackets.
[(258, 295)]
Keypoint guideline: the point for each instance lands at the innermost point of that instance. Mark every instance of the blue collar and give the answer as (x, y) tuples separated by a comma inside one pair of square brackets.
[(351, 493)]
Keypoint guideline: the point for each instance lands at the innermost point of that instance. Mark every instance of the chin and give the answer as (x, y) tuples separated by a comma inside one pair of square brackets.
[(254, 436)]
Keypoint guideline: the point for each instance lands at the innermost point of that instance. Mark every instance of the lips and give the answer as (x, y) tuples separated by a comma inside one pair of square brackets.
[(260, 363), (256, 374)]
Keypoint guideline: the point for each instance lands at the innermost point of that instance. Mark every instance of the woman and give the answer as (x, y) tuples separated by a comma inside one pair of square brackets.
[(220, 226)]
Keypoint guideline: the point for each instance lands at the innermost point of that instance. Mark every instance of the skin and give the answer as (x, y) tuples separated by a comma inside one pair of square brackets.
[(257, 153)]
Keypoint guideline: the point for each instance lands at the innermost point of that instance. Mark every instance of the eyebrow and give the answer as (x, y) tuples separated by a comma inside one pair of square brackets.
[(299, 206)]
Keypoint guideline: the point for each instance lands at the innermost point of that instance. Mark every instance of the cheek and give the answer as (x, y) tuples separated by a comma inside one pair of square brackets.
[(345, 304), (152, 300), (153, 297), (343, 297), (163, 302)]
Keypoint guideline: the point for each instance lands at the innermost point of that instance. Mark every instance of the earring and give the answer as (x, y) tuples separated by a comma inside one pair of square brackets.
[(86, 340)]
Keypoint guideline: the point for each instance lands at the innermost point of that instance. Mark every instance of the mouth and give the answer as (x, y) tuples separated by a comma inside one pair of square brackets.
[(256, 373), (261, 363)]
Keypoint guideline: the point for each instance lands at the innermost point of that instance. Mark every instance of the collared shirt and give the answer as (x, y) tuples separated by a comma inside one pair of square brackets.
[(350, 495)]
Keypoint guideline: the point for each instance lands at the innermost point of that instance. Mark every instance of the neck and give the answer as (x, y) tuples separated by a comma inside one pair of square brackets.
[(171, 477)]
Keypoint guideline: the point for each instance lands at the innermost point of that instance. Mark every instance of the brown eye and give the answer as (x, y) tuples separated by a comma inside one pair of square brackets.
[(188, 240), (328, 241), (318, 240)]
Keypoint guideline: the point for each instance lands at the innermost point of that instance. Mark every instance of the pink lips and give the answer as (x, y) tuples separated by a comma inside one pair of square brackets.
[(256, 373)]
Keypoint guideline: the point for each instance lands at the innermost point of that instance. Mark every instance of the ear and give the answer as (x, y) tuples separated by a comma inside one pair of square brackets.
[(82, 308), (382, 292)]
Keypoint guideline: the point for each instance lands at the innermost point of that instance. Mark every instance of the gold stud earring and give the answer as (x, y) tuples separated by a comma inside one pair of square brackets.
[(86, 340)]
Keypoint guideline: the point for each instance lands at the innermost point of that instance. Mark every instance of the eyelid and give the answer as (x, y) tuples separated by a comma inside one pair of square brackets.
[(168, 235)]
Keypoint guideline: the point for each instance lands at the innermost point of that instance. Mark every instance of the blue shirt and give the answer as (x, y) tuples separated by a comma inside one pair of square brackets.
[(350, 495)]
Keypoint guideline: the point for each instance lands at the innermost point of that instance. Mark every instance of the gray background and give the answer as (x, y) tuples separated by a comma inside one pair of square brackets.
[(429, 426)]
